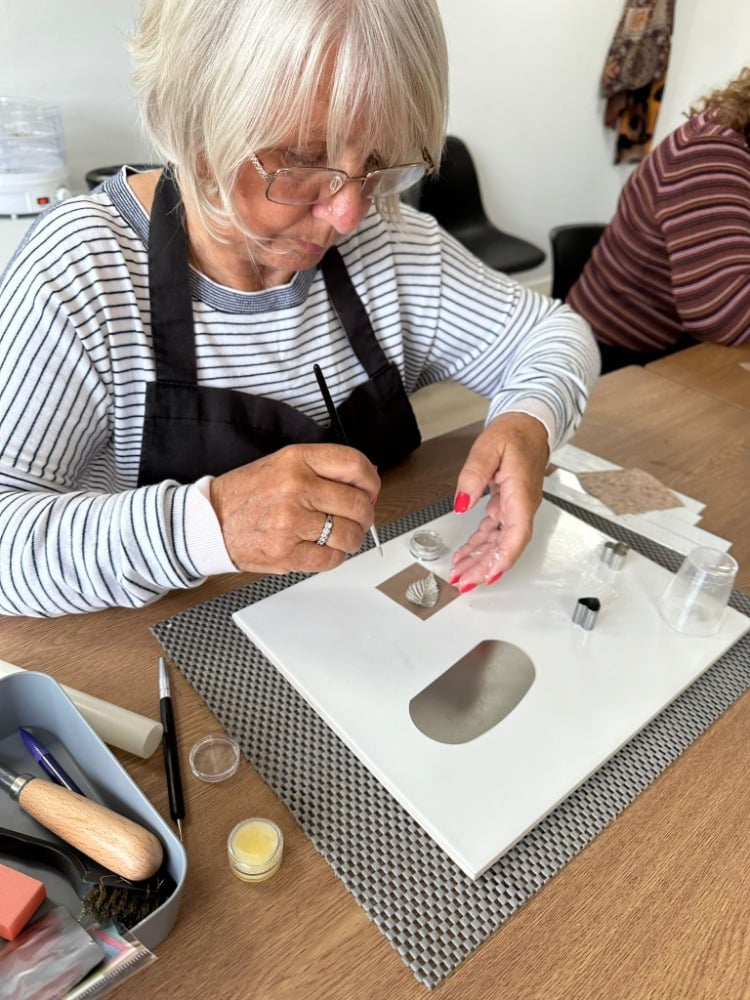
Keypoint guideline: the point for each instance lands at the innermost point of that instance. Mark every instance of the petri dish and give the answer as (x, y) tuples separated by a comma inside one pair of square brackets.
[(215, 757)]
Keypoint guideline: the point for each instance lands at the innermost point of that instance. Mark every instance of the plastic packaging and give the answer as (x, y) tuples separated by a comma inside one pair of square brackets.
[(51, 955)]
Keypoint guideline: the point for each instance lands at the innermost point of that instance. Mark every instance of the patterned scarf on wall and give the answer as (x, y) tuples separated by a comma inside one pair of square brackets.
[(634, 75)]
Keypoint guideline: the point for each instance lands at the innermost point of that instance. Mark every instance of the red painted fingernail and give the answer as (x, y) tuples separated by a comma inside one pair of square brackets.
[(454, 578), (466, 588), (493, 578), (461, 503)]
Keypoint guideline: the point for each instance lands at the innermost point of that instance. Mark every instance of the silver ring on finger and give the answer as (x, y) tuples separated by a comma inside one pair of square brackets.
[(326, 532)]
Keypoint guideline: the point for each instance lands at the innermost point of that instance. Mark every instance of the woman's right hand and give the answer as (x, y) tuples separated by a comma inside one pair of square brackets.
[(272, 511)]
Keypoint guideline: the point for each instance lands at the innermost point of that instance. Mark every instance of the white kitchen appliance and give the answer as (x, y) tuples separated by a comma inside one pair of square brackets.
[(33, 167)]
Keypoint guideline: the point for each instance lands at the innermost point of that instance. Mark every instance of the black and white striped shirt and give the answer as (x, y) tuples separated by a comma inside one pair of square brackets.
[(76, 532)]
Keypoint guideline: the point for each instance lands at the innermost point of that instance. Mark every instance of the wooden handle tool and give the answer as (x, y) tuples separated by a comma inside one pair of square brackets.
[(117, 843)]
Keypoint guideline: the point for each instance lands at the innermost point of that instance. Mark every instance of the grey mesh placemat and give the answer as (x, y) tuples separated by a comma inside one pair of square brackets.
[(429, 910)]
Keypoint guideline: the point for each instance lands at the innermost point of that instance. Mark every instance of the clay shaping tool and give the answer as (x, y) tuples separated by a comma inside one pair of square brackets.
[(112, 840)]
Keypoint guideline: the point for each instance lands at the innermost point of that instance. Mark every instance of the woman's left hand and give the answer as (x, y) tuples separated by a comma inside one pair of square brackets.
[(510, 455)]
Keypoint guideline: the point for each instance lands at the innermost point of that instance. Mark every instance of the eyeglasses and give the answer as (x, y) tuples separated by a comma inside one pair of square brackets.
[(310, 185)]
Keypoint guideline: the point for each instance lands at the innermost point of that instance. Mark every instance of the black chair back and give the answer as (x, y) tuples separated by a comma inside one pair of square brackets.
[(453, 197), (571, 248)]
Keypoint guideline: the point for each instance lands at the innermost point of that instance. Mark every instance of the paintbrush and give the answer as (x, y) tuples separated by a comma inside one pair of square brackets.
[(117, 843), (339, 428), (103, 894)]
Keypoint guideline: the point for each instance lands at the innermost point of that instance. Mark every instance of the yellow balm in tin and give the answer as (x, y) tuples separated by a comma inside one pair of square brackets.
[(254, 848)]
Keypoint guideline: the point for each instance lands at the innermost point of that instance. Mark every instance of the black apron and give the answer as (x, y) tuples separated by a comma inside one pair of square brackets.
[(191, 430)]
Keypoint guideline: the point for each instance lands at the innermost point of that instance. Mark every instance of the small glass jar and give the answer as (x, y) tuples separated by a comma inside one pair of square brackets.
[(255, 848), (426, 545)]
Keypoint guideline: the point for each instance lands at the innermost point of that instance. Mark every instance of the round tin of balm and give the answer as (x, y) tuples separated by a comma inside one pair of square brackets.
[(426, 544), (254, 849)]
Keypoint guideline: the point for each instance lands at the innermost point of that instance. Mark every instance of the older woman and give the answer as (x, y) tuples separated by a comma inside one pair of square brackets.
[(159, 416)]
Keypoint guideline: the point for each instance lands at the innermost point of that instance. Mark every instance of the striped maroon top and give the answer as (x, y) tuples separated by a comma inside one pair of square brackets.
[(676, 256)]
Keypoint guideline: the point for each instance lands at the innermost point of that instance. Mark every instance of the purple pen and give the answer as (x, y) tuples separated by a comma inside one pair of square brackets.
[(47, 762)]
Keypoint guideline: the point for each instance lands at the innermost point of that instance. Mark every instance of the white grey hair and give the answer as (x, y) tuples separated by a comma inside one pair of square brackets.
[(218, 79)]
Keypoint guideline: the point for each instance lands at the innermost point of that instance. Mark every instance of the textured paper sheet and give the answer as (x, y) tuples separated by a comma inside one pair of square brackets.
[(628, 491)]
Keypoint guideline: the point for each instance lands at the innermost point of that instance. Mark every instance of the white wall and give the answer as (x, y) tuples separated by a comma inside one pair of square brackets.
[(525, 98), (524, 82)]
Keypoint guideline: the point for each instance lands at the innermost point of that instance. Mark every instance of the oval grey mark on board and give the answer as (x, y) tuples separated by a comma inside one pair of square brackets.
[(474, 693)]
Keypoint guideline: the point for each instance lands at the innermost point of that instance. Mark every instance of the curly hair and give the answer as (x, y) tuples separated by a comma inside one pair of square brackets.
[(730, 106)]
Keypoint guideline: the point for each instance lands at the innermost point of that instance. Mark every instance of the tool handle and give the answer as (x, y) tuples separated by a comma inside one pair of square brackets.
[(172, 761), (115, 842)]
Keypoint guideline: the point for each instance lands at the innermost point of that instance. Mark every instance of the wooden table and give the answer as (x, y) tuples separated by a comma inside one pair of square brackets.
[(719, 371), (691, 439), (656, 907)]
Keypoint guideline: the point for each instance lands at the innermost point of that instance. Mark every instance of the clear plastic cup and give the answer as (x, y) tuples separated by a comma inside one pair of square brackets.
[(698, 593)]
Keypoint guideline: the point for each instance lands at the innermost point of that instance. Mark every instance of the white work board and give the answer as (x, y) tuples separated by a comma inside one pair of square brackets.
[(361, 659)]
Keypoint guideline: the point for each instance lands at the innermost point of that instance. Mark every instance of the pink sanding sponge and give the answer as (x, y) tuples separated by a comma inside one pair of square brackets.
[(20, 895)]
